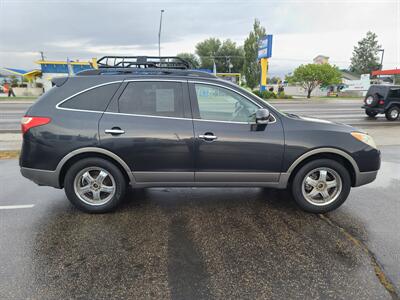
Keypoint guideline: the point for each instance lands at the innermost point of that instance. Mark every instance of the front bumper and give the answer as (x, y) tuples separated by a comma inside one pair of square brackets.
[(41, 177), (365, 177)]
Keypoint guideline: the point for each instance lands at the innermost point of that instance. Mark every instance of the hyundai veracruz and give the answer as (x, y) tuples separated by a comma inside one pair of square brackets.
[(148, 123)]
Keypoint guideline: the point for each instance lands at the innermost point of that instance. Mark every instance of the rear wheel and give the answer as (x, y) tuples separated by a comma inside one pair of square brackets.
[(321, 185), (392, 114), (371, 114), (95, 185)]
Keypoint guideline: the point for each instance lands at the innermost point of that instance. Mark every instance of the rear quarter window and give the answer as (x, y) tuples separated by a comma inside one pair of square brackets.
[(95, 99)]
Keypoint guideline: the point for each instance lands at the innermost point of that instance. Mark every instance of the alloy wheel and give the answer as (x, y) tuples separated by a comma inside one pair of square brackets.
[(321, 186), (94, 186)]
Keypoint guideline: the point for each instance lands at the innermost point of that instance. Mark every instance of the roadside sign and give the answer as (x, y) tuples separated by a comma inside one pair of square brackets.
[(265, 47)]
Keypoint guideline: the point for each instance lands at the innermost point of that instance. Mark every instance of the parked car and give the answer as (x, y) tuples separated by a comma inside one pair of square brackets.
[(383, 99), (98, 132)]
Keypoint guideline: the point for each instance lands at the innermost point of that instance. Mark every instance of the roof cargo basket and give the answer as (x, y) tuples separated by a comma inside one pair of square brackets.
[(164, 62), (144, 72)]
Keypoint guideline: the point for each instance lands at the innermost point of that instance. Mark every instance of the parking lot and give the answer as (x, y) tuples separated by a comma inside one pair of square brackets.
[(186, 243)]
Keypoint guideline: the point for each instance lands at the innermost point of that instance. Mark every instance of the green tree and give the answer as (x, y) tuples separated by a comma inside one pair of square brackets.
[(312, 75), (229, 55), (274, 80), (365, 56), (191, 58), (251, 67), (207, 50), (14, 80), (223, 53)]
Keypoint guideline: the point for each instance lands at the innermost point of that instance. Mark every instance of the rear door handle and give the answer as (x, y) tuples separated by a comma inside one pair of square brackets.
[(208, 136), (114, 131)]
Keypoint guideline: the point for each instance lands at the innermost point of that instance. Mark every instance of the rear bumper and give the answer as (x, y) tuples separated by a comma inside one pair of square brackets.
[(41, 177), (379, 110), (365, 177)]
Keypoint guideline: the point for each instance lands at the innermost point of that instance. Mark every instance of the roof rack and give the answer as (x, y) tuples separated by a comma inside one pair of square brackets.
[(145, 71), (165, 62)]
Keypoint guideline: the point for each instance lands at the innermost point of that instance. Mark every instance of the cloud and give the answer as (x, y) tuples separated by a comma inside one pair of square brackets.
[(84, 29)]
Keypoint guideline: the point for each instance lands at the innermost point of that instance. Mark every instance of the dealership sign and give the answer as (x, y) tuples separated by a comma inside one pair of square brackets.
[(265, 47)]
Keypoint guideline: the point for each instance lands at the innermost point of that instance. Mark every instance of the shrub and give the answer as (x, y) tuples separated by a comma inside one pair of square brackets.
[(282, 95), (272, 95), (265, 94)]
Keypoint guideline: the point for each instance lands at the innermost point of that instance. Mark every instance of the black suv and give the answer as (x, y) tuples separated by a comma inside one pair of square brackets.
[(98, 132), (383, 99)]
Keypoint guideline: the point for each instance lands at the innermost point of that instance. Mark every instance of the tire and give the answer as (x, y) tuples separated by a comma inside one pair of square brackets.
[(302, 192), (371, 113), (392, 114), (101, 184), (372, 100)]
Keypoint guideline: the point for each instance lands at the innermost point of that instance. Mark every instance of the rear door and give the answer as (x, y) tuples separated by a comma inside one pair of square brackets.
[(149, 126), (230, 148)]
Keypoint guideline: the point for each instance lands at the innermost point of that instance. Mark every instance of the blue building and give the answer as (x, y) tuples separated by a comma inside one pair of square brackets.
[(52, 68)]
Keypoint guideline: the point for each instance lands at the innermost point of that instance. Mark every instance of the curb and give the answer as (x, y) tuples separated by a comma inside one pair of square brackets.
[(17, 102), (10, 131)]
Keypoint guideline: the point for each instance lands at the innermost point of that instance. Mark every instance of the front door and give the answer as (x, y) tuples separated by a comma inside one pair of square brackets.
[(229, 147), (150, 127)]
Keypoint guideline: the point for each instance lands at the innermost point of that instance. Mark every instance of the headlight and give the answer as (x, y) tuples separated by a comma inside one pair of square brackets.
[(365, 138)]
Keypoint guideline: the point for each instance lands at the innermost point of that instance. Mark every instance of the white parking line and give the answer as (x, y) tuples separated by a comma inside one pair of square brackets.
[(16, 206)]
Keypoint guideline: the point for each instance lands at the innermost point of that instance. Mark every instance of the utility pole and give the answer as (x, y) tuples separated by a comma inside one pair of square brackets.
[(159, 34)]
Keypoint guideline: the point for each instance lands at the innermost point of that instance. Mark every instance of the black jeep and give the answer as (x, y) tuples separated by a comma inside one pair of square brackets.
[(383, 99)]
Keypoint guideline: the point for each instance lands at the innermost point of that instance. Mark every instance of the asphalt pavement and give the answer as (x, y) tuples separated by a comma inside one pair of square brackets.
[(200, 243), (11, 114), (347, 111)]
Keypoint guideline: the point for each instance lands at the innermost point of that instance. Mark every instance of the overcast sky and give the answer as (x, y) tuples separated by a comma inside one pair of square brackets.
[(302, 29)]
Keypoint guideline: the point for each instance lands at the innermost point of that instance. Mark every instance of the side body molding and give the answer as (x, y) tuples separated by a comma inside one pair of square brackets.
[(95, 150), (284, 178)]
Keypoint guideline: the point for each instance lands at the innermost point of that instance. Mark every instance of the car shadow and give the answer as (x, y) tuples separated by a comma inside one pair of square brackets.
[(190, 243)]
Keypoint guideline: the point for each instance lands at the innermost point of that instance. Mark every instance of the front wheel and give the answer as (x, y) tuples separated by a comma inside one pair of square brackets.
[(95, 185), (321, 186), (392, 114)]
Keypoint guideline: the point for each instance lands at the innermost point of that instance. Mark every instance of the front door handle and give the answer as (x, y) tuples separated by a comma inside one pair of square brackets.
[(114, 131), (208, 136)]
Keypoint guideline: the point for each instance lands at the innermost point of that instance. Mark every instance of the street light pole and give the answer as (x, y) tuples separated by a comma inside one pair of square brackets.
[(383, 52), (159, 34)]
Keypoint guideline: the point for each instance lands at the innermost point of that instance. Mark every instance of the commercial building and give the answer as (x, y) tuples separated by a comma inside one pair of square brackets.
[(52, 68)]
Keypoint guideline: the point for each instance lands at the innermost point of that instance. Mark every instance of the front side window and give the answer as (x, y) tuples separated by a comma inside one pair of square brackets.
[(95, 99), (152, 98), (220, 104)]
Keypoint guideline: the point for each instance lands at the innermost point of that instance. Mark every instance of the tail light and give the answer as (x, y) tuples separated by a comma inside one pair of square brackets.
[(29, 122), (381, 102)]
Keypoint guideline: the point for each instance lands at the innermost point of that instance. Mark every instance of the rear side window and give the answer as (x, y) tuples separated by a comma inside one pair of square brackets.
[(395, 93), (153, 99), (94, 99)]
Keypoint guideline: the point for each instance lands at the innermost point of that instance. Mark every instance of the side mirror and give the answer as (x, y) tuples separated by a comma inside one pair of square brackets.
[(262, 116)]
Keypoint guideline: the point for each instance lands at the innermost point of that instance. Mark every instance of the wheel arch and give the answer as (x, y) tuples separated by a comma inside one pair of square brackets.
[(327, 153), (87, 152)]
